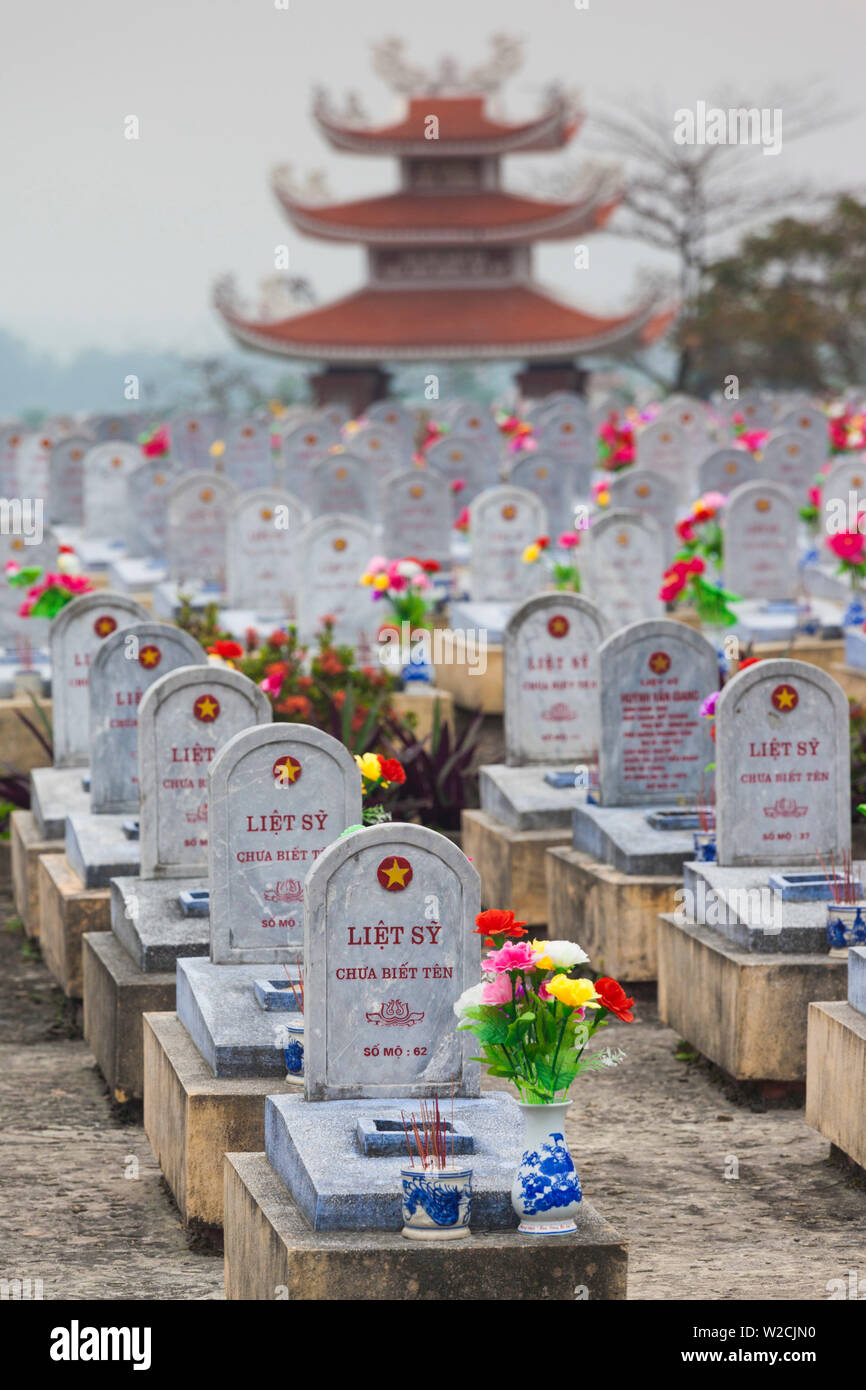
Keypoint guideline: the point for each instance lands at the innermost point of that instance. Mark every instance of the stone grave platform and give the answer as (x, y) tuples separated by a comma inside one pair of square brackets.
[(192, 1118), (742, 905), (217, 1005), (130, 971), (19, 748), (746, 1010), (66, 911), (137, 576), (98, 848), (97, 553), (836, 1064), (477, 686), (269, 1246), (55, 793), (763, 622), (27, 848), (607, 888), (166, 599)]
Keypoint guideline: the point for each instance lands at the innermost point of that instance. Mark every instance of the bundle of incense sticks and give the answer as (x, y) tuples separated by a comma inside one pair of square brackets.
[(296, 991), (842, 883), (431, 1140)]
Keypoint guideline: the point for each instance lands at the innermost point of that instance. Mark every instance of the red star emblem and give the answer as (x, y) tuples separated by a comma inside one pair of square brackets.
[(394, 874), (558, 625), (785, 698), (104, 626), (206, 708), (149, 657), (286, 771), (659, 662)]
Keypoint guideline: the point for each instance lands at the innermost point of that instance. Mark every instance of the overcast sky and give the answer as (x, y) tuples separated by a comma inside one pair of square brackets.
[(109, 243)]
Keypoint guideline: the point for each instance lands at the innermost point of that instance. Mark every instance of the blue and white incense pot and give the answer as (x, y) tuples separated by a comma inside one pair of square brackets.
[(293, 1049), (437, 1203), (546, 1190), (846, 925)]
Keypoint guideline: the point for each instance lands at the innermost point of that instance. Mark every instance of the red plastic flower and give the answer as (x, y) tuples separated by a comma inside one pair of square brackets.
[(848, 545), (613, 998), (392, 770), (498, 921), (229, 651), (295, 704)]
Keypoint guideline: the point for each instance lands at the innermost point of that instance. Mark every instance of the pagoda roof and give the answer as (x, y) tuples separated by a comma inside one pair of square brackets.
[(376, 324), (464, 128), (459, 218)]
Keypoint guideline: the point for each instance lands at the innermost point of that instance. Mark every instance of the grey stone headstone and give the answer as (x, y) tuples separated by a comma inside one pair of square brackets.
[(342, 483), (107, 468), (389, 946), (551, 481), (198, 511), (843, 494), (790, 458), (66, 495), (335, 551), (621, 560), (263, 552), (760, 524), (192, 433), (34, 466), (756, 410), (811, 421), (415, 511), (125, 666), (662, 448), (725, 469), (396, 417), (377, 446), (15, 631), (147, 493), (279, 795), (10, 444), (459, 461), (641, 490), (248, 460), (783, 759), (655, 747), (503, 522), (552, 680), (303, 446), (77, 634), (115, 429), (184, 719), (567, 436)]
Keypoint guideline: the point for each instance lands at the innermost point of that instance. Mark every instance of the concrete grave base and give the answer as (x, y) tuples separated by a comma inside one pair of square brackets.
[(815, 651), (521, 799), (836, 1076), (613, 915), (55, 793), (623, 837), (66, 911), (19, 747), (511, 864), (98, 848), (148, 921), (137, 575), (271, 1252), (27, 847), (217, 1006), (744, 1010), (116, 995), (191, 1118), (419, 699), (473, 688)]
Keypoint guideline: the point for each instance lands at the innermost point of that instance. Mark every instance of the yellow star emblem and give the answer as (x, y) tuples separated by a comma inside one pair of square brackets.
[(785, 698), (395, 874), (206, 707)]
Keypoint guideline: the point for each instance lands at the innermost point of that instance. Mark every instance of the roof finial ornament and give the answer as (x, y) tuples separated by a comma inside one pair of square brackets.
[(448, 78)]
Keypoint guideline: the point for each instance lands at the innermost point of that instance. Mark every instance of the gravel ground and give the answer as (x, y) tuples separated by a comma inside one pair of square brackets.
[(719, 1197)]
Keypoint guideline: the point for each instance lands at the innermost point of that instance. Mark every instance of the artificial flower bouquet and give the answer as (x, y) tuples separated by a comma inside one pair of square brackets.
[(379, 776), (563, 570), (404, 585), (48, 593), (701, 542), (616, 444), (532, 1019)]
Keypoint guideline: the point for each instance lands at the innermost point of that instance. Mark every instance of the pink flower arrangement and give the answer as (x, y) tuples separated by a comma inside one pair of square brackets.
[(514, 955), (157, 445)]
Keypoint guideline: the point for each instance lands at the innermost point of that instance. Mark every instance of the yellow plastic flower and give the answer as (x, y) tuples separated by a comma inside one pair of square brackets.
[(370, 766), (603, 499), (217, 449), (544, 962), (276, 408), (380, 581), (531, 554), (367, 579), (577, 994)]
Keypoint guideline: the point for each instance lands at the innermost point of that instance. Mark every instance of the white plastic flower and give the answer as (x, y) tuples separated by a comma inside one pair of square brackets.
[(565, 954), (68, 563), (469, 999), (408, 568)]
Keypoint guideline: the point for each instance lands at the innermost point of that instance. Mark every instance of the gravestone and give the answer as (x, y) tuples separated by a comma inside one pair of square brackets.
[(248, 461), (184, 719), (66, 491), (107, 469), (760, 524), (460, 461), (127, 663), (278, 796), (115, 429), (551, 480), (552, 680), (335, 551), (389, 946), (77, 634), (34, 464), (377, 446), (566, 435), (147, 493), (725, 469), (192, 433), (621, 562), (303, 446), (265, 527), (783, 760), (663, 449), (415, 512), (342, 482), (640, 490), (473, 424), (398, 419), (25, 549), (10, 444), (197, 527), (813, 422), (655, 747), (792, 459), (503, 522), (755, 410), (843, 494)]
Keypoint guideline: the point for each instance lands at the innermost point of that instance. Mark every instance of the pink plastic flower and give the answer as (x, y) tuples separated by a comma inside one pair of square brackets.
[(497, 991), (708, 706), (568, 540), (512, 956)]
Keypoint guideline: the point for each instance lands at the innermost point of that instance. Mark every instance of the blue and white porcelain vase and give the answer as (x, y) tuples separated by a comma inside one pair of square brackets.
[(546, 1190), (705, 846), (437, 1203), (846, 925), (293, 1049)]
